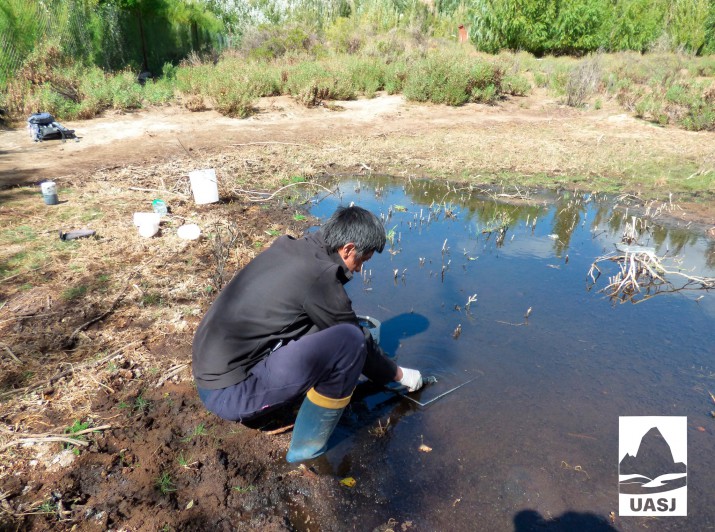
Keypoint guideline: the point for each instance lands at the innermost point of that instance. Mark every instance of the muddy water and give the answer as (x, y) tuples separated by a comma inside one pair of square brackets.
[(533, 440)]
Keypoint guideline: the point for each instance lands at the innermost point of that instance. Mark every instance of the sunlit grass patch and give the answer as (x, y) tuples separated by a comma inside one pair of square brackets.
[(74, 292)]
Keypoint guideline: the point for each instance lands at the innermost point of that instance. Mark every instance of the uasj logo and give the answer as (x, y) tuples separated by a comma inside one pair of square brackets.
[(653, 465)]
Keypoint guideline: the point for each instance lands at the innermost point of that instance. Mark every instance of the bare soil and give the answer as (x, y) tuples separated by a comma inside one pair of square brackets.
[(99, 330), (528, 140)]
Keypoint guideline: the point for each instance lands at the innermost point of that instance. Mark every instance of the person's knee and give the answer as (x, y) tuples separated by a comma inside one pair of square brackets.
[(353, 339)]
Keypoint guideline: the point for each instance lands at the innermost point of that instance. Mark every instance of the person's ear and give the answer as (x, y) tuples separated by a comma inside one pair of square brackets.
[(347, 249)]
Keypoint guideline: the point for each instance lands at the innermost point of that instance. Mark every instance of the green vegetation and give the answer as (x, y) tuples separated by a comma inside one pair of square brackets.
[(165, 483), (77, 426), (141, 404), (74, 292), (185, 462), (48, 507), (65, 58), (582, 26), (199, 430), (152, 299)]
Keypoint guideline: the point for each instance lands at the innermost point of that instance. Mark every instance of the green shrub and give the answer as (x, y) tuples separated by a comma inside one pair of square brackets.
[(231, 101), (541, 79), (194, 79), (126, 92), (685, 104), (678, 94), (259, 79), (484, 82), (270, 42), (230, 96), (344, 37), (50, 100), (168, 71), (312, 82), (160, 91), (395, 76), (453, 79), (389, 48), (700, 119), (438, 79), (367, 75), (515, 85)]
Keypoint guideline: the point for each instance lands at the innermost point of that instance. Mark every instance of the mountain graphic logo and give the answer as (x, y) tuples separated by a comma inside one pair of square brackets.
[(652, 470)]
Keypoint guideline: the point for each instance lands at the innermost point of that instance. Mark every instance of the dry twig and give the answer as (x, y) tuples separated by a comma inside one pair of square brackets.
[(252, 195), (44, 438), (9, 352), (174, 370), (73, 336), (280, 430), (643, 271)]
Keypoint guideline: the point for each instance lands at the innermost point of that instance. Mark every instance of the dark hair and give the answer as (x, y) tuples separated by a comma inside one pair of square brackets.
[(357, 225)]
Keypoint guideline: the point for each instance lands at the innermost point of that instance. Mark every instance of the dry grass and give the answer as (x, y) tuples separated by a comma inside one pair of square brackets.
[(86, 318)]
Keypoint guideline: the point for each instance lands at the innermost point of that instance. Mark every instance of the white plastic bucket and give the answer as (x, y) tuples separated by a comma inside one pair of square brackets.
[(372, 324), (204, 186), (147, 223), (49, 192), (146, 218), (148, 229)]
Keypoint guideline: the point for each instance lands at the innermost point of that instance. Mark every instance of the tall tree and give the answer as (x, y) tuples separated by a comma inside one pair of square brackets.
[(141, 9)]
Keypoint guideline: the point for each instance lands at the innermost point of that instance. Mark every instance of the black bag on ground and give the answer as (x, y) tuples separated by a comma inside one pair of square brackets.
[(43, 126)]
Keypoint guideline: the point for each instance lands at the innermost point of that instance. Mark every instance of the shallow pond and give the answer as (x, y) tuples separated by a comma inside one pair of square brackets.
[(533, 440)]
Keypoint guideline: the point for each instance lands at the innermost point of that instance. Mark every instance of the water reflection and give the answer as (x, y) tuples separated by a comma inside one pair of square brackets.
[(550, 387)]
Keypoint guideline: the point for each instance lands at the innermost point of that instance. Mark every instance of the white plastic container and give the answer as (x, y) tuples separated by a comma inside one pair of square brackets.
[(148, 229), (49, 192), (204, 185), (372, 324), (189, 232), (143, 218), (147, 223)]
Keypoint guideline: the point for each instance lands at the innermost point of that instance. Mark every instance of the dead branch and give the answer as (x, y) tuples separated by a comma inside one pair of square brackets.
[(164, 191), (513, 324), (226, 236), (44, 439), (252, 195), (267, 143), (73, 336), (174, 370), (642, 273), (280, 430), (83, 366), (9, 352), (21, 273), (48, 437)]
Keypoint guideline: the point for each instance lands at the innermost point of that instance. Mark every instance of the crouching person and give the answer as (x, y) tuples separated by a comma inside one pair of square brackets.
[(284, 329)]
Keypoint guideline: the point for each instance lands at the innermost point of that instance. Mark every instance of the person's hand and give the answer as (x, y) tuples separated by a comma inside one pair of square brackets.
[(411, 378)]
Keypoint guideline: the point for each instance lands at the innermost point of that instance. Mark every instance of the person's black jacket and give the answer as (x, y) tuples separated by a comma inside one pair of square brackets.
[(293, 288)]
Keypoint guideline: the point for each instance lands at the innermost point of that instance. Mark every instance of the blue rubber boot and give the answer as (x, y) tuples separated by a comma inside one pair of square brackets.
[(317, 418)]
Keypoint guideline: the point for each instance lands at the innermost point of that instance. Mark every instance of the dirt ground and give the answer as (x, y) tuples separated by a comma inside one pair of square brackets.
[(533, 139), (95, 334)]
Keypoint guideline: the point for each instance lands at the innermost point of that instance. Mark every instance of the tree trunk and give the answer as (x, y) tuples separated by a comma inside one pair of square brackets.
[(195, 37), (145, 63)]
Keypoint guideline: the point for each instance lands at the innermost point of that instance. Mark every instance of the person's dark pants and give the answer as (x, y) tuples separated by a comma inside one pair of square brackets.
[(330, 361)]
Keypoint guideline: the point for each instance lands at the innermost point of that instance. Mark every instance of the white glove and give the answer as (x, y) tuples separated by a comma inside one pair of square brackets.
[(411, 378)]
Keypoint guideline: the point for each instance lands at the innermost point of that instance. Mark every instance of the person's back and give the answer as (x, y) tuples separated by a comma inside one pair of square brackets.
[(289, 290), (284, 328)]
